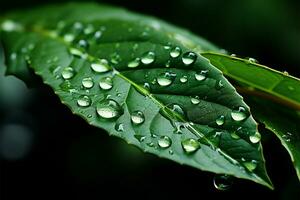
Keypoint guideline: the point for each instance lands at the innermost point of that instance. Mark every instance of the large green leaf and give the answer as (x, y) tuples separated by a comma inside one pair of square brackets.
[(138, 78)]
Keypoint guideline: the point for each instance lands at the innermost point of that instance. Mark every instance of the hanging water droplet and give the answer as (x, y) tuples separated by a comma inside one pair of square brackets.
[(137, 117), (87, 83), (148, 58), (164, 142), (220, 120), (183, 79), (201, 75), (219, 85), (222, 182), (100, 66), (175, 52), (250, 165), (109, 109), (195, 100), (134, 63), (84, 101), (67, 73), (106, 83), (189, 58), (239, 114), (190, 145), (119, 127), (255, 138), (166, 79)]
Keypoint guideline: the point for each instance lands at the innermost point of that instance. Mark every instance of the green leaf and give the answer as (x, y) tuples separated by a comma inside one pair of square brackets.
[(138, 78), (280, 85)]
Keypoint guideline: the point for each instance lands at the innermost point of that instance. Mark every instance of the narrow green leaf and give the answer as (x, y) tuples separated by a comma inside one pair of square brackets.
[(139, 79), (282, 86)]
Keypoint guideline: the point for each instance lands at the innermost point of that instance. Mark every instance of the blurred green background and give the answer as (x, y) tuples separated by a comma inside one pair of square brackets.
[(46, 152)]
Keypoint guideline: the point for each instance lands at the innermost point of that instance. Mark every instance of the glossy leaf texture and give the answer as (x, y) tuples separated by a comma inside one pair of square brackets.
[(141, 80), (275, 98)]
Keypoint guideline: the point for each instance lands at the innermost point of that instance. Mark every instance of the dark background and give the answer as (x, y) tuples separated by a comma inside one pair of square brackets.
[(46, 152)]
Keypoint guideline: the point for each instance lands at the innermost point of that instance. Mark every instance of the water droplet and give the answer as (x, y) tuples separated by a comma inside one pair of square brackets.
[(78, 25), (150, 144), (252, 60), (190, 145), (166, 79), (171, 152), (134, 63), (195, 100), (88, 29), (9, 25), (69, 37), (137, 117), (119, 127), (189, 58), (235, 135), (219, 85), (148, 58), (106, 83), (201, 75), (255, 138), (97, 35), (250, 165), (140, 138), (175, 52), (13, 56), (239, 114), (87, 83), (147, 86), (115, 58), (168, 63), (83, 43), (167, 47), (109, 109), (183, 79), (222, 182), (100, 66), (164, 142), (67, 73), (287, 137), (291, 88), (84, 101), (78, 53), (220, 120), (233, 55)]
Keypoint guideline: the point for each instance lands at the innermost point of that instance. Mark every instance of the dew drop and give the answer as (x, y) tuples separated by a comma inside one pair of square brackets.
[(239, 114), (190, 145), (137, 117), (189, 58), (183, 79), (119, 127), (255, 138), (100, 66), (84, 101), (164, 142), (109, 109), (195, 100), (166, 79), (106, 83), (201, 75), (220, 120), (148, 58), (67, 73), (250, 165), (134, 63), (87, 83), (175, 52), (222, 182)]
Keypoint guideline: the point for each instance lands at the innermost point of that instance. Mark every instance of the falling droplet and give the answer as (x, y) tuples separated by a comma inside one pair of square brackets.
[(175, 52), (134, 63), (222, 182), (137, 117), (255, 138), (84, 101), (201, 75), (164, 142), (106, 83), (190, 145), (100, 66), (250, 165), (166, 79), (109, 109), (119, 127), (239, 114), (67, 73), (183, 79), (148, 58), (220, 120), (189, 58), (195, 100), (87, 83)]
